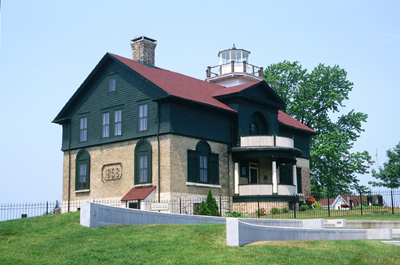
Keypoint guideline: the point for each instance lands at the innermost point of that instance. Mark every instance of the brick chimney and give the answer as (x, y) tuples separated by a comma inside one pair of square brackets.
[(143, 50)]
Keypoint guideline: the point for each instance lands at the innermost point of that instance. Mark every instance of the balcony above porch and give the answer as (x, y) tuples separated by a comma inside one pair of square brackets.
[(266, 141), (266, 146)]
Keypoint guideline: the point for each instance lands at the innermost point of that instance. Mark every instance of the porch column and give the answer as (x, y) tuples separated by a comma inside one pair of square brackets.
[(295, 177), (236, 178), (274, 178)]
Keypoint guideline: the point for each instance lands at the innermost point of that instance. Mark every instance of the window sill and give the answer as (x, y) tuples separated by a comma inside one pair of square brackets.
[(144, 185), (82, 191), (203, 185)]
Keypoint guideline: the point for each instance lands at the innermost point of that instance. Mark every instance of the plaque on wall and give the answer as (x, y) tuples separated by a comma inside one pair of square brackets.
[(112, 172)]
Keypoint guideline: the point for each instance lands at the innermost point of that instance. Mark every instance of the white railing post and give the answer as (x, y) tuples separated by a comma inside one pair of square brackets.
[(274, 178), (236, 178)]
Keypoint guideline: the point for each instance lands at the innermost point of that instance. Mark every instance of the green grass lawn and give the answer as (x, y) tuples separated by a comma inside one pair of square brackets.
[(59, 239), (354, 214)]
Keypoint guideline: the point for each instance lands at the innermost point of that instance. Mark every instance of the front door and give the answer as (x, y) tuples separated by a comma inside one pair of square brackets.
[(253, 172)]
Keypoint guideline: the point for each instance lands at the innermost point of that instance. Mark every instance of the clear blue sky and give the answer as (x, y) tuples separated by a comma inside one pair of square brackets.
[(49, 47)]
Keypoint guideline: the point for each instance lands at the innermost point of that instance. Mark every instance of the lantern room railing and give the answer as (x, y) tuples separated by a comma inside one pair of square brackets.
[(235, 67)]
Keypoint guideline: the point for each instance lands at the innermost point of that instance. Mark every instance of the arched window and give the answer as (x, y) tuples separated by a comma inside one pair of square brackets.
[(143, 162), (203, 165), (254, 129), (258, 124), (82, 167)]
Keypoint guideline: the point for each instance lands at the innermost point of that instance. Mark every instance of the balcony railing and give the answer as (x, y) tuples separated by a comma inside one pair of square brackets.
[(235, 67), (266, 140)]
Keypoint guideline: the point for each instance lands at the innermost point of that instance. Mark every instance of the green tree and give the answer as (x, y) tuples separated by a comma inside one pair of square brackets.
[(312, 98), (389, 176), (210, 207)]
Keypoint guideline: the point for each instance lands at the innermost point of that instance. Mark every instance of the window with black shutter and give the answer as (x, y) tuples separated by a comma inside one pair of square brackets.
[(203, 165)]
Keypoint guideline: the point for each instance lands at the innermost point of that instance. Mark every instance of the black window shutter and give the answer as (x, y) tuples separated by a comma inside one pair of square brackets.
[(193, 166), (214, 169)]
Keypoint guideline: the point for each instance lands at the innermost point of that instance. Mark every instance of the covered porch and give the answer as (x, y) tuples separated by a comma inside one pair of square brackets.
[(266, 165)]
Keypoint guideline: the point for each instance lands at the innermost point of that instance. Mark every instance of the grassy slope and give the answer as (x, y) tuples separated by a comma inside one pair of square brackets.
[(59, 239)]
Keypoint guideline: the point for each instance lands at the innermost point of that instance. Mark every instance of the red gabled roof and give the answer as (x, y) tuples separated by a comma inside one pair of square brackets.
[(193, 89), (139, 193), (289, 121), (234, 89), (178, 85)]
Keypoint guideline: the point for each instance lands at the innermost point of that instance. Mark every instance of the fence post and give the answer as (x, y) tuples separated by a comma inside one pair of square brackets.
[(220, 206), (258, 206), (391, 194), (329, 207), (180, 206), (361, 204), (294, 210), (47, 207)]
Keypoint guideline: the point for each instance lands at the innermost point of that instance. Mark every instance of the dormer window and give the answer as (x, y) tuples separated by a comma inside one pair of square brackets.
[(112, 84)]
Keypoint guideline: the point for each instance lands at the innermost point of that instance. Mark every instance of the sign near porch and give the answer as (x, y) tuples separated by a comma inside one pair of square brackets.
[(159, 206)]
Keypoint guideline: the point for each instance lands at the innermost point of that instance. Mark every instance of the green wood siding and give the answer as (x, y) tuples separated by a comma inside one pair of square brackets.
[(200, 122), (131, 91), (301, 140)]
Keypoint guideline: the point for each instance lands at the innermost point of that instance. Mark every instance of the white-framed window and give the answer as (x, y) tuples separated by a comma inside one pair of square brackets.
[(106, 125), (83, 129), (112, 84), (118, 122), (143, 117)]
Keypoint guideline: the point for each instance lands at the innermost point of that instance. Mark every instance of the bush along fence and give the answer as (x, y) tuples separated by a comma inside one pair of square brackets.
[(284, 207), (304, 206)]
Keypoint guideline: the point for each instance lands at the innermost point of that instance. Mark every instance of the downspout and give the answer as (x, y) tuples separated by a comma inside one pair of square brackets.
[(158, 149), (69, 162)]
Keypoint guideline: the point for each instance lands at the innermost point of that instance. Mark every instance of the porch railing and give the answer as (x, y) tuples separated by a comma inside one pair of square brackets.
[(266, 140)]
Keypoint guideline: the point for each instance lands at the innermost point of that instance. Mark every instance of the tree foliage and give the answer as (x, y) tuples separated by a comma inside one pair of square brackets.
[(210, 207), (389, 176), (313, 98)]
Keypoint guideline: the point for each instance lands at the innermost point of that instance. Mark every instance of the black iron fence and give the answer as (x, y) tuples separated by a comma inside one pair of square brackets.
[(299, 206)]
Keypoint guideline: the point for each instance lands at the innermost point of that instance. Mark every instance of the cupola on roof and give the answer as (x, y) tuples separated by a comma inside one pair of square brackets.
[(234, 69)]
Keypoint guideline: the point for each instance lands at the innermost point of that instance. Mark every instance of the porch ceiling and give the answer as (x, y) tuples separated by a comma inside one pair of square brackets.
[(279, 153)]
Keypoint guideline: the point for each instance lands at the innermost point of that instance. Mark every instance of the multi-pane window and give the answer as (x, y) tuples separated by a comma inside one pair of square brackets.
[(118, 122), (112, 84), (143, 169), (203, 168), (203, 165), (106, 125), (83, 129), (143, 117), (82, 170), (82, 176), (111, 123), (143, 162)]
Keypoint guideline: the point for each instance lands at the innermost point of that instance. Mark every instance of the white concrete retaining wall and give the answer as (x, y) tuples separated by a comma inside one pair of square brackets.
[(95, 215), (335, 223), (373, 224), (310, 223), (239, 233)]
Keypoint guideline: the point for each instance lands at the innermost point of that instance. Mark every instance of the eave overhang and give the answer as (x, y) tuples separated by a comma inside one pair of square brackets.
[(275, 152)]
